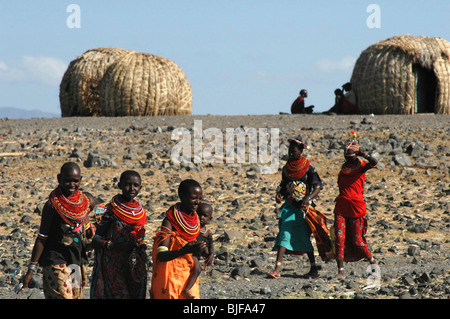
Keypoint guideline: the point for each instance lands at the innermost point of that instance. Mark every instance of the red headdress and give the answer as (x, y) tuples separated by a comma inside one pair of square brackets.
[(352, 145)]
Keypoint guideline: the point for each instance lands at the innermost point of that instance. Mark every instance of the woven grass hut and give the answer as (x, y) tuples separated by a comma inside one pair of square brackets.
[(142, 84), (79, 88), (403, 75)]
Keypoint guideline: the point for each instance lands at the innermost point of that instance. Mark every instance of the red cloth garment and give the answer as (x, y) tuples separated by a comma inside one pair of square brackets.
[(351, 244), (350, 202), (348, 107), (298, 105), (74, 209), (297, 169), (188, 226), (119, 273)]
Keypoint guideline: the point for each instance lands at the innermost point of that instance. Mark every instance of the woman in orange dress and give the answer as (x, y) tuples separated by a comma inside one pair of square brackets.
[(175, 243)]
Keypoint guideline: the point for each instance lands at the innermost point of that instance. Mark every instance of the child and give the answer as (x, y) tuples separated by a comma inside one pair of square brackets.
[(119, 242), (60, 246), (350, 222), (175, 244), (204, 212)]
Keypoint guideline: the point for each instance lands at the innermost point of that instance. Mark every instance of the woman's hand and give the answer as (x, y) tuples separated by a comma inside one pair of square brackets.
[(278, 198), (306, 202), (209, 260), (193, 247), (27, 278)]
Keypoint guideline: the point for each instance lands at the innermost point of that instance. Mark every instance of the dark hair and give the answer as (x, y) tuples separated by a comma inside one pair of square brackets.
[(127, 174), (300, 145), (69, 165), (186, 185)]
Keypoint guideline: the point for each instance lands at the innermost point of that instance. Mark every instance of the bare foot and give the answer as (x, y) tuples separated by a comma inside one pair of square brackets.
[(340, 275), (313, 272)]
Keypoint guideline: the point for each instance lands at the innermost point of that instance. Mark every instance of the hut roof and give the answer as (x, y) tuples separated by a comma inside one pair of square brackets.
[(144, 84), (420, 48), (118, 82), (384, 78), (79, 95)]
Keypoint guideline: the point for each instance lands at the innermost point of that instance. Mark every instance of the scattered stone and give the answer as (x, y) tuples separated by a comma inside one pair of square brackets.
[(409, 214)]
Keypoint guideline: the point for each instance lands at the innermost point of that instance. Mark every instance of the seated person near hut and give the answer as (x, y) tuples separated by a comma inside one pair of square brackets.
[(349, 105), (298, 106), (338, 102)]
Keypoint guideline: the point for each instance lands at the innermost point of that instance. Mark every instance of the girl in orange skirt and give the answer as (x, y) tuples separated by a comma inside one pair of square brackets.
[(174, 245)]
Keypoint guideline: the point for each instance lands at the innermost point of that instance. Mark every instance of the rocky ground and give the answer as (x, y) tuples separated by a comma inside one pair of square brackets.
[(407, 197)]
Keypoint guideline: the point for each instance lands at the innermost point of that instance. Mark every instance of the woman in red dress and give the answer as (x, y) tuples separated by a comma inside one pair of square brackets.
[(350, 221)]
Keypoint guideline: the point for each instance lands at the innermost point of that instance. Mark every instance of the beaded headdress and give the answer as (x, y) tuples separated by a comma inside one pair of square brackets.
[(353, 144)]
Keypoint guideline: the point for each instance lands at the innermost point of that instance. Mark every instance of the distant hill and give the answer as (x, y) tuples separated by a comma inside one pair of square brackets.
[(15, 113)]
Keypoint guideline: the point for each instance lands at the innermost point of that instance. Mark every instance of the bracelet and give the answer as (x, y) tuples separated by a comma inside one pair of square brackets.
[(309, 198), (162, 249), (109, 244), (32, 267)]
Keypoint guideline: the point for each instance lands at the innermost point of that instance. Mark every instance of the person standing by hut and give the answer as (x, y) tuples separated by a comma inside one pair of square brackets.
[(350, 223), (300, 183), (298, 106), (60, 246), (349, 104)]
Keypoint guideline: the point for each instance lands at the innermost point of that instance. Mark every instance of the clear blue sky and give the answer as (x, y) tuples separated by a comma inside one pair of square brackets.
[(241, 56)]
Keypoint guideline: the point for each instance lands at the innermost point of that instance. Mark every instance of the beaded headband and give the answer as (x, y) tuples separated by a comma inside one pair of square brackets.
[(293, 140)]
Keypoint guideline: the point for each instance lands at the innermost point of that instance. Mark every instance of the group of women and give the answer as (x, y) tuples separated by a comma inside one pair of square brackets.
[(119, 240), (300, 184)]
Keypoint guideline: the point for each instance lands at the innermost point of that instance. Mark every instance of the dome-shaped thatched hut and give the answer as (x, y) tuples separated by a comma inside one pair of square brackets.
[(78, 91), (403, 75), (142, 84), (117, 82)]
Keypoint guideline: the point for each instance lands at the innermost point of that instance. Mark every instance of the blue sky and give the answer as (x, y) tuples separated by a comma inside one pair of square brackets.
[(241, 57)]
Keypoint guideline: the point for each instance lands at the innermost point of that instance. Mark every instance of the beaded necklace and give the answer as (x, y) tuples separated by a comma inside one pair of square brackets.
[(192, 226), (131, 212), (74, 210), (297, 169), (352, 168)]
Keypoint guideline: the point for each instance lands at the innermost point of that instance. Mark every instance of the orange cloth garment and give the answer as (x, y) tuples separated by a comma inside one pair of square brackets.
[(169, 278), (318, 224)]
